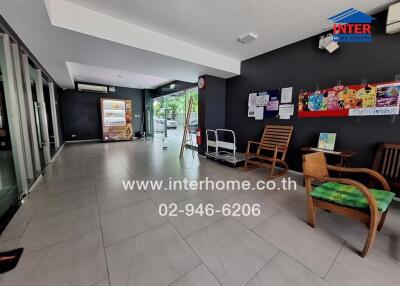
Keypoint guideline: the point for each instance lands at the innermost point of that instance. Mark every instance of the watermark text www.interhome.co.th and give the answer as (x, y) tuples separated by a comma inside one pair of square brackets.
[(207, 184)]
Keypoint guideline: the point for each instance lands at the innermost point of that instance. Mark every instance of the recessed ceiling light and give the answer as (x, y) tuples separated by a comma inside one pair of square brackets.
[(247, 38)]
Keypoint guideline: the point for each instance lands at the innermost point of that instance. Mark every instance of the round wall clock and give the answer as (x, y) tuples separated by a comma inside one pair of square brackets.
[(201, 83)]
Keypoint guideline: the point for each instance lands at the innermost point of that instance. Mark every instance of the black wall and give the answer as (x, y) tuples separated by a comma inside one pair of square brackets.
[(82, 115), (211, 106), (303, 66)]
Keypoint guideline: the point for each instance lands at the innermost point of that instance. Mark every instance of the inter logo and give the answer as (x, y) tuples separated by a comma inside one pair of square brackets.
[(352, 26)]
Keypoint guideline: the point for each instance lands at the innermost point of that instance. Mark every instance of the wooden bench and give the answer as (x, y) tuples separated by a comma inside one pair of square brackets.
[(275, 140)]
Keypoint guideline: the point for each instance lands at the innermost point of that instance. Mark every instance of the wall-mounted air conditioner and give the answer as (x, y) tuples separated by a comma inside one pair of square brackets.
[(393, 19), (92, 88)]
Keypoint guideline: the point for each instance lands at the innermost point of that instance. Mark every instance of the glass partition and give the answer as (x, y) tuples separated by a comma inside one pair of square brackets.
[(11, 182), (169, 115), (48, 110)]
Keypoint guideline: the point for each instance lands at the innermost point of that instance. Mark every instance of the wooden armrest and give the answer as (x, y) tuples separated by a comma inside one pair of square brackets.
[(254, 142), (248, 146), (363, 189), (370, 172)]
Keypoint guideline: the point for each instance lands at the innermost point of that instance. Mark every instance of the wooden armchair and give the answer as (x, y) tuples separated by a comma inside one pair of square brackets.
[(345, 196), (387, 163), (275, 139)]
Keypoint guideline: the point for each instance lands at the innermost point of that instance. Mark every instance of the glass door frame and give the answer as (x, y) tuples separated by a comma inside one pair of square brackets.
[(41, 109), (31, 113), (23, 113), (13, 113), (54, 116)]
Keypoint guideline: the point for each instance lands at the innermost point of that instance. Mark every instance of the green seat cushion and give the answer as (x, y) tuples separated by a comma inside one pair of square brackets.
[(350, 196)]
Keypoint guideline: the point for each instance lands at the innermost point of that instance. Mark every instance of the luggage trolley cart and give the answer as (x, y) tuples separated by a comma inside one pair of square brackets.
[(225, 149)]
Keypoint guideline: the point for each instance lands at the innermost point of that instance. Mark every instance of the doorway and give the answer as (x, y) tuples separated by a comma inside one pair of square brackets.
[(169, 114)]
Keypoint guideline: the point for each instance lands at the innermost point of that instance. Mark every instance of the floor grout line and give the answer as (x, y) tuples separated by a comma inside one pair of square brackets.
[(280, 250), (102, 239), (135, 235), (187, 273), (262, 268), (340, 250), (187, 243)]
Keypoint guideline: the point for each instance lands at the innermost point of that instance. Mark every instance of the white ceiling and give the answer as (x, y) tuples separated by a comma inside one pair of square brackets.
[(150, 42), (95, 74), (216, 24)]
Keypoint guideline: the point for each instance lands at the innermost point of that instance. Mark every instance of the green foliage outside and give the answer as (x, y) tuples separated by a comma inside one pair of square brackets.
[(176, 104)]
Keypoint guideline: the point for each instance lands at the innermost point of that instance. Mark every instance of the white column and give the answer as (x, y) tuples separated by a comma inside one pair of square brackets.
[(43, 117), (31, 113), (54, 115), (22, 108), (13, 113)]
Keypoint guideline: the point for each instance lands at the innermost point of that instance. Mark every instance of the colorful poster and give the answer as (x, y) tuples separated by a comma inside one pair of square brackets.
[(327, 141), (117, 119), (352, 100)]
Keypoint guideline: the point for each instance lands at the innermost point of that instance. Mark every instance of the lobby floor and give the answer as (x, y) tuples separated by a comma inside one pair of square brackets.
[(79, 227)]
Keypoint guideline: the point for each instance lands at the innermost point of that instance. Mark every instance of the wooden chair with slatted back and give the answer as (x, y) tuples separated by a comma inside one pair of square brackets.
[(387, 163), (275, 140), (345, 196)]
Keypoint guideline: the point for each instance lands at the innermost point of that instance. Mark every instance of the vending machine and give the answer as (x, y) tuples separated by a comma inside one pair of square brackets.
[(116, 117)]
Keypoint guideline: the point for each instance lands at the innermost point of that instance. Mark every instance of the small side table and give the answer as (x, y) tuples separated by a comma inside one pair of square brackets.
[(344, 155)]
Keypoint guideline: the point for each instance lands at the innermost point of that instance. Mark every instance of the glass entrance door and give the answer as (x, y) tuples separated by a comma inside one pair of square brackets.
[(12, 169), (50, 129), (8, 181), (39, 124)]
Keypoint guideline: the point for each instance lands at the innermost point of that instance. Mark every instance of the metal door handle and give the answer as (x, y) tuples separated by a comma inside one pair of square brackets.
[(39, 131)]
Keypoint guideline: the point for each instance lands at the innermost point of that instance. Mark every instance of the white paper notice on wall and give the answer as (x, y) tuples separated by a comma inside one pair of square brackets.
[(259, 112), (262, 99), (251, 111), (286, 95), (285, 111), (252, 99)]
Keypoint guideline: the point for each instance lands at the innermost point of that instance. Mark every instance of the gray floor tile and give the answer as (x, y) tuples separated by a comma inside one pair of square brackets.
[(284, 271), (104, 282), (18, 223), (111, 201), (375, 269), (232, 252), (124, 222), (200, 276), (315, 248), (154, 258), (78, 261), (10, 244), (187, 225), (64, 245), (170, 196), (43, 231), (65, 201), (266, 210)]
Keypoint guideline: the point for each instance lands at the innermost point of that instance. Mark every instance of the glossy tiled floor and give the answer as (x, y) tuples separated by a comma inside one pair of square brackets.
[(80, 228)]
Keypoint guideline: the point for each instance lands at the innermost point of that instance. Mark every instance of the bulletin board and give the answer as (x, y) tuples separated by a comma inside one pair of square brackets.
[(352, 100), (273, 103)]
